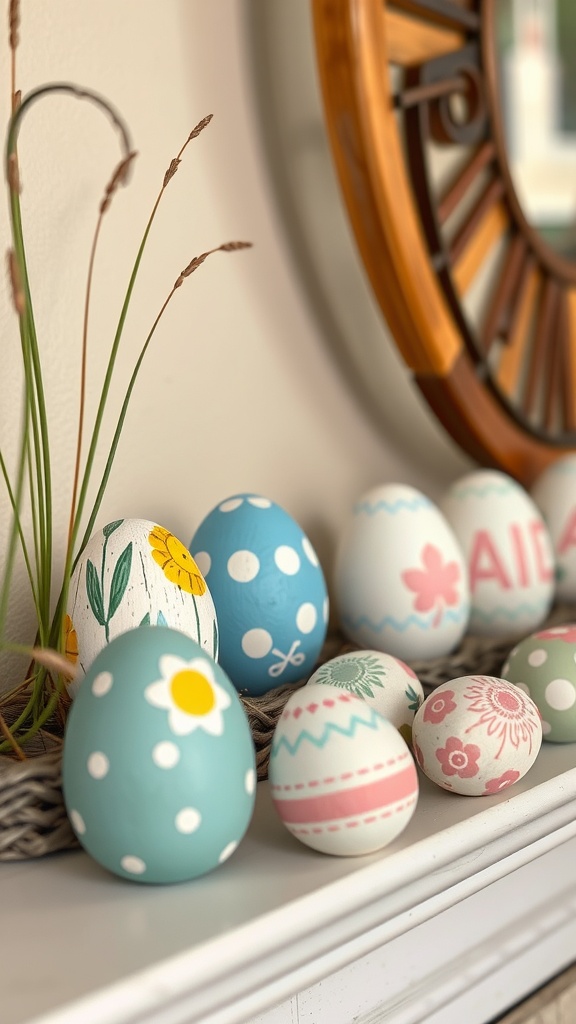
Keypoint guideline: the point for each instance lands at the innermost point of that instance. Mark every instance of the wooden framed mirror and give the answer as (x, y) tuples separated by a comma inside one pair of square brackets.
[(481, 306)]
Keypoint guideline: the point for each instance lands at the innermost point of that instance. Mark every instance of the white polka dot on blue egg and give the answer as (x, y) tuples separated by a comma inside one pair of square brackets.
[(268, 589)]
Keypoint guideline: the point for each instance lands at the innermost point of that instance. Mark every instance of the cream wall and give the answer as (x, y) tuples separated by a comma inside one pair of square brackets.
[(247, 385)]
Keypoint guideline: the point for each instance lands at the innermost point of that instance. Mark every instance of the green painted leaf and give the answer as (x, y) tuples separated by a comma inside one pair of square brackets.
[(146, 620), (110, 527), (94, 592), (120, 578), (161, 619), (414, 698)]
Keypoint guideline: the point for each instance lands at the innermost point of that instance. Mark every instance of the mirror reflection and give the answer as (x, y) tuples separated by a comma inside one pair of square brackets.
[(536, 45)]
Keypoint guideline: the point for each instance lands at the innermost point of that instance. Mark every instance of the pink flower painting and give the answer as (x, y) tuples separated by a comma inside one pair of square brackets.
[(503, 711), (459, 758), (502, 782), (438, 706), (436, 585)]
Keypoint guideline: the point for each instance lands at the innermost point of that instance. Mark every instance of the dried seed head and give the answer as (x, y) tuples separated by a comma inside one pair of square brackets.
[(119, 177), (200, 127), (14, 23), (234, 246), (174, 165), (199, 260), (13, 174), (16, 284)]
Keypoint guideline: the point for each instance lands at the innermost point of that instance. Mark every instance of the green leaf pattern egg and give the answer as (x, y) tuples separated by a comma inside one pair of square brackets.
[(134, 572)]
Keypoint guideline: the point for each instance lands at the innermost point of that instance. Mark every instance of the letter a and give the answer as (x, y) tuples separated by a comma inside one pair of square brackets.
[(483, 548)]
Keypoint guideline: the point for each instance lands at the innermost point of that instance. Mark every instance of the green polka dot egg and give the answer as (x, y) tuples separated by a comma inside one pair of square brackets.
[(544, 666), (159, 774)]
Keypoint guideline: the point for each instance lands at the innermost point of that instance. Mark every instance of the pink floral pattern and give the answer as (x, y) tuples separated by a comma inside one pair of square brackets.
[(438, 705), (459, 758), (435, 585), (418, 755), (504, 711), (502, 782)]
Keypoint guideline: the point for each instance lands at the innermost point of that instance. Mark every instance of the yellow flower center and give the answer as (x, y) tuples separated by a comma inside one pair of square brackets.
[(192, 692)]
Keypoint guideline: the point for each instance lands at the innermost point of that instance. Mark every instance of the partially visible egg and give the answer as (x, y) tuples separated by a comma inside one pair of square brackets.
[(555, 495), (158, 767), (342, 779), (400, 579), (544, 666), (385, 682), (269, 591), (131, 573), (476, 735), (507, 550)]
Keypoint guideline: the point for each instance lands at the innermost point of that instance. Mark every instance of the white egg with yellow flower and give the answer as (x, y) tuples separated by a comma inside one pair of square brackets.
[(135, 572)]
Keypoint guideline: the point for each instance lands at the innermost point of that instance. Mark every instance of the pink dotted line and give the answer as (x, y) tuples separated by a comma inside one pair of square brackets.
[(356, 822), (328, 703), (341, 778)]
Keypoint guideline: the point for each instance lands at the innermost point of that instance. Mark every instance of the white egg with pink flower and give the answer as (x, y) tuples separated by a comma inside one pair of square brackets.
[(400, 579), (476, 735)]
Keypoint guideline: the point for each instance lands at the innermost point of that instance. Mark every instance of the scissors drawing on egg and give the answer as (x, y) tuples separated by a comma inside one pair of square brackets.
[(286, 659)]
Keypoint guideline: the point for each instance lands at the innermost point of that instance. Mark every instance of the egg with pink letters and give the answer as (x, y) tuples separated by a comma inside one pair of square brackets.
[(476, 735), (507, 550), (554, 492), (342, 778)]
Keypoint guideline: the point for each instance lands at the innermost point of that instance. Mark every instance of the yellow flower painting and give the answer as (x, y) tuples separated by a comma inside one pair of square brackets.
[(176, 562), (188, 691)]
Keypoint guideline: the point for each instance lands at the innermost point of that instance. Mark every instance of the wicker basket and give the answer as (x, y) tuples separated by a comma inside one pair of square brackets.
[(33, 820)]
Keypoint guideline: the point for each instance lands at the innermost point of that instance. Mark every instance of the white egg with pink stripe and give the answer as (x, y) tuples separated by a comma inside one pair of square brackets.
[(342, 778)]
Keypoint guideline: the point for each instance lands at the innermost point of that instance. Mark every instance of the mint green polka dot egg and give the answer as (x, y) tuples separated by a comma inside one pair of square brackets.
[(544, 666), (159, 774)]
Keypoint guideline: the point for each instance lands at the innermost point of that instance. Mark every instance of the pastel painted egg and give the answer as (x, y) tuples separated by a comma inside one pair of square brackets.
[(507, 550), (131, 573), (544, 666), (158, 768), (342, 778), (400, 580), (476, 735), (269, 591), (382, 680), (555, 495)]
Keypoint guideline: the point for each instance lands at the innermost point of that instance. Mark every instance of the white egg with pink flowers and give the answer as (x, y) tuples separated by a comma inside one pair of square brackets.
[(400, 579)]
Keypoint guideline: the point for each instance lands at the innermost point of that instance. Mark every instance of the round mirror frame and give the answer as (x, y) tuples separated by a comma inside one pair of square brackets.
[(504, 387)]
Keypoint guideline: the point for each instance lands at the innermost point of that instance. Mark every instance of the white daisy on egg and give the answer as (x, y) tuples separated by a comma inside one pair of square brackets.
[(190, 694)]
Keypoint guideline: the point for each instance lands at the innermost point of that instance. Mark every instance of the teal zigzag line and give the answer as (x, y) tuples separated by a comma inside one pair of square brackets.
[(509, 613), (482, 490), (330, 727), (392, 506), (400, 626)]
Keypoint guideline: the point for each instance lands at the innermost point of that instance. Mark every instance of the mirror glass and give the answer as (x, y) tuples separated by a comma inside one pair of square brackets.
[(536, 47)]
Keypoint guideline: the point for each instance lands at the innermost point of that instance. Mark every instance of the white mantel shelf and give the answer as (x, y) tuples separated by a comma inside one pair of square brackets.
[(80, 946)]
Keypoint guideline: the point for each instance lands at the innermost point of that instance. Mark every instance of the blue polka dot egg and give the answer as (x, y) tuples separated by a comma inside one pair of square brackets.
[(159, 774), (268, 589)]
